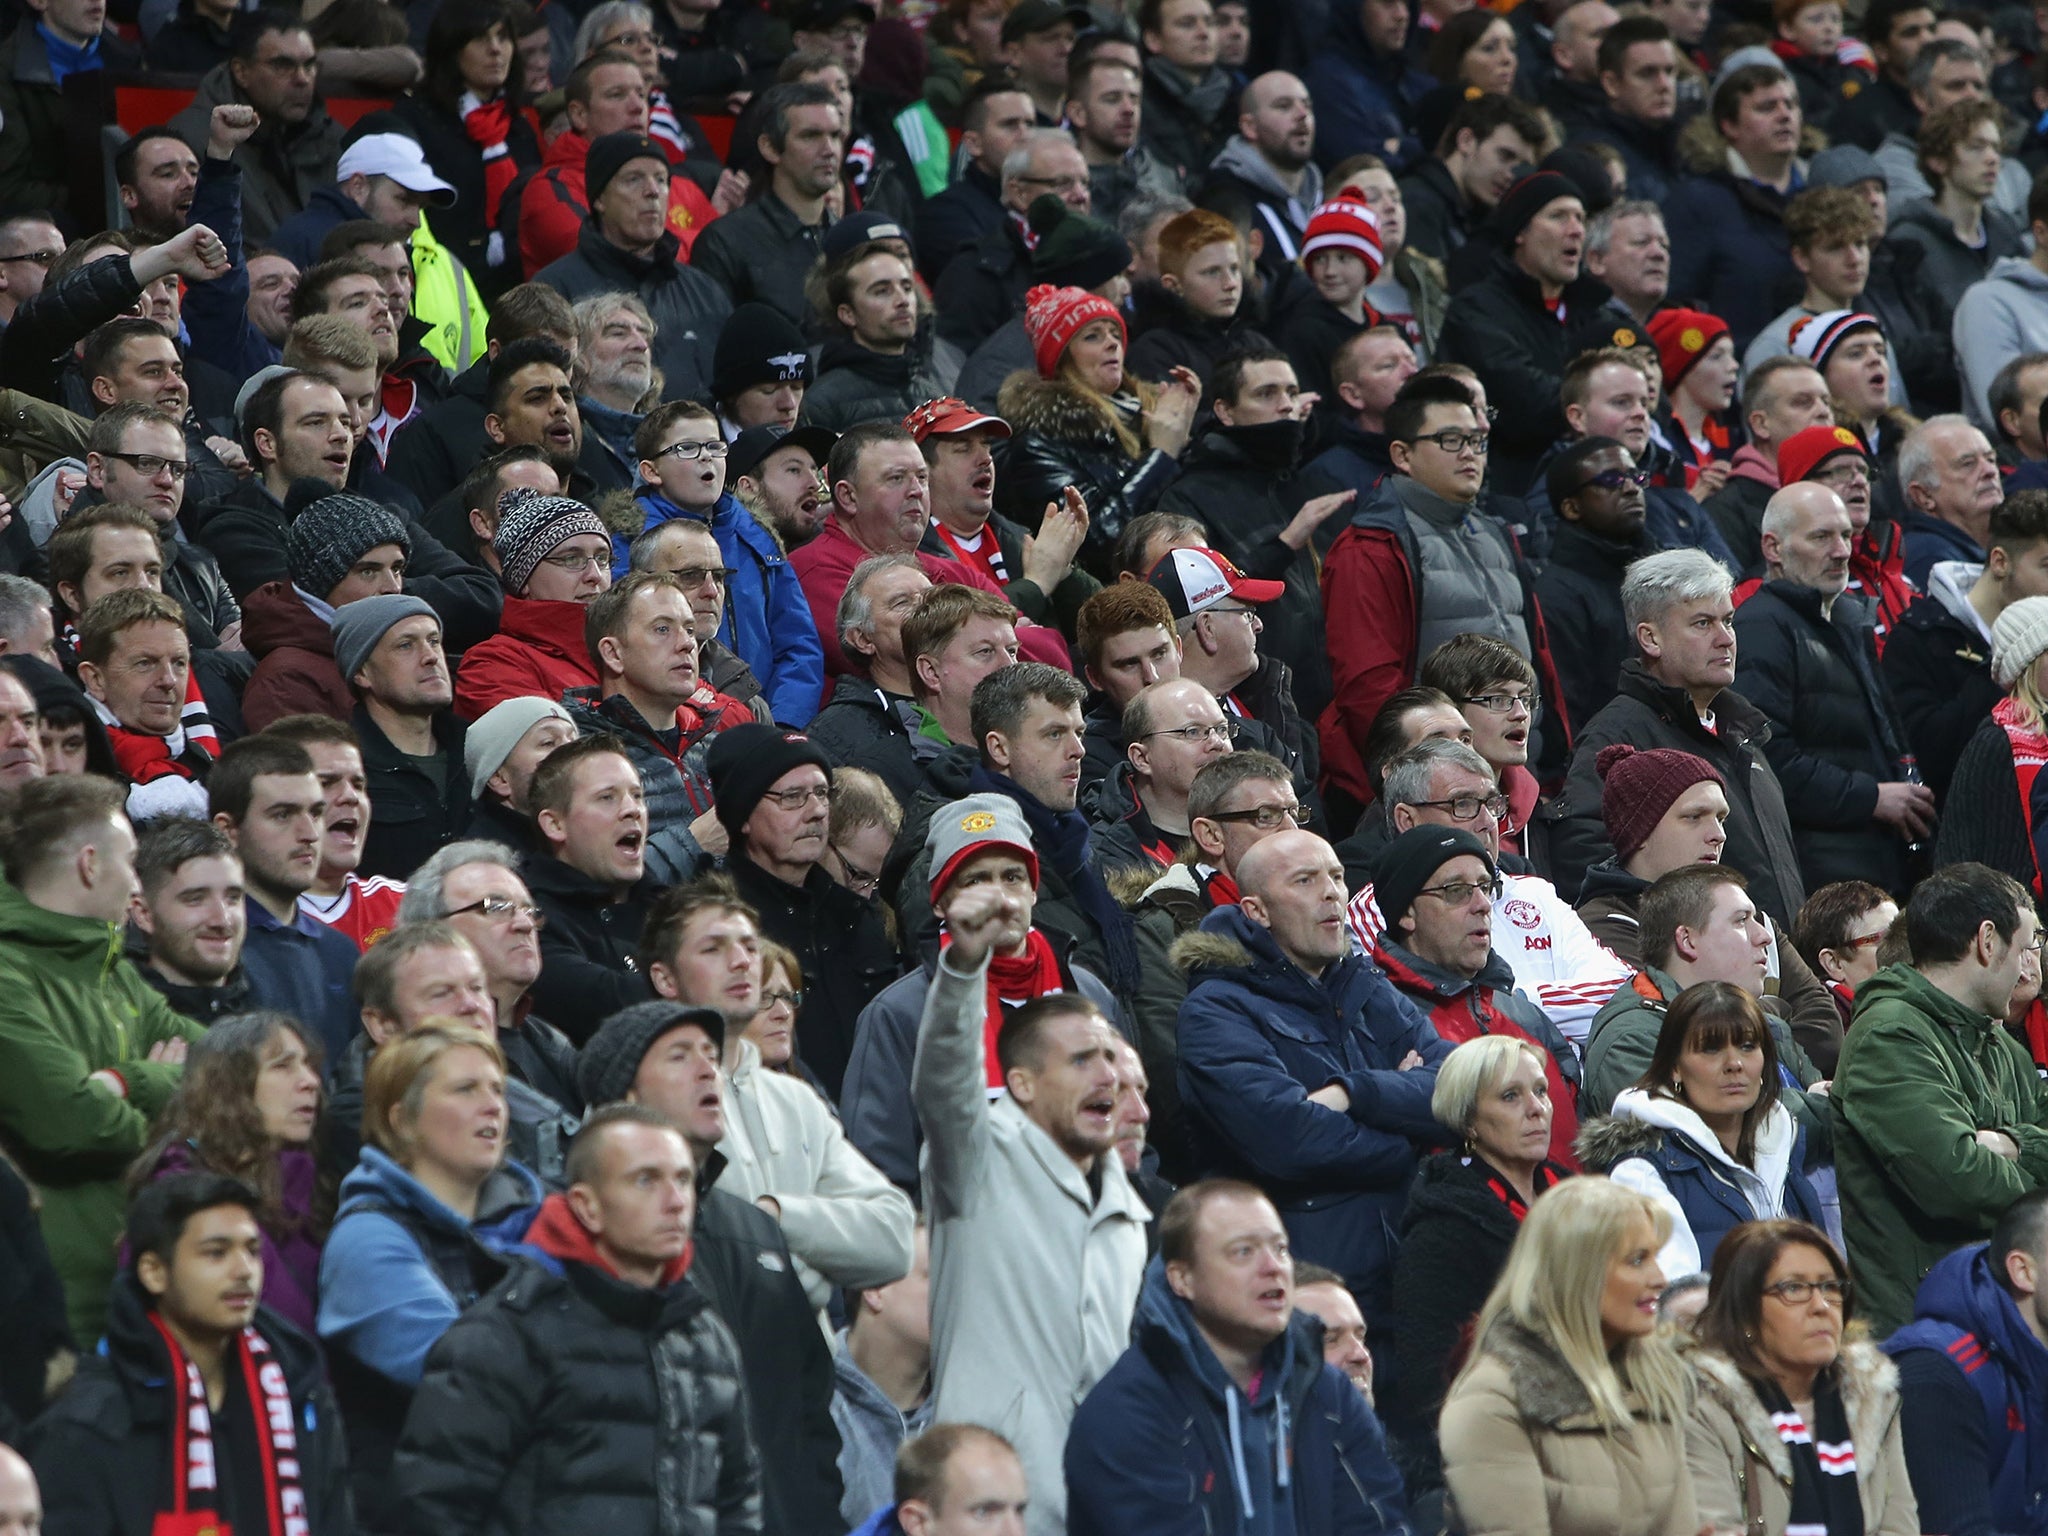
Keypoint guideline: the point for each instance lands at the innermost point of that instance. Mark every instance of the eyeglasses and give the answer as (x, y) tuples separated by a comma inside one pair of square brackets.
[(502, 908), (1454, 441), (579, 562), (689, 452), (1265, 817), (39, 258), (1847, 472), (629, 40), (1467, 807), (1250, 615), (1055, 183), (1797, 1293), (697, 575), (1615, 479), (861, 882), (1507, 703), (1456, 893), (797, 799), (795, 1000), (150, 465), (1868, 940), (1222, 730)]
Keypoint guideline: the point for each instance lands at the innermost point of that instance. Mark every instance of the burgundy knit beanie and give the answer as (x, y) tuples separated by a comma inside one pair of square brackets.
[(1639, 786)]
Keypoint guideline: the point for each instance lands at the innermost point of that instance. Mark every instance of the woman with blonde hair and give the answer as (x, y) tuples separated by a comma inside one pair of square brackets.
[(1569, 1418), (1796, 1426), (1988, 815)]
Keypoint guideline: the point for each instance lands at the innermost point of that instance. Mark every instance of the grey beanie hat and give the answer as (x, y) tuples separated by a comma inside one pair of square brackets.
[(966, 827), (532, 525), (611, 1058), (498, 731), (332, 534), (358, 627), (1843, 165)]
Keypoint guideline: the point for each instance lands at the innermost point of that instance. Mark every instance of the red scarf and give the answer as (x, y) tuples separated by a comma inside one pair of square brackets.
[(143, 757), (489, 126), (1221, 889), (987, 557), (2029, 752), (1014, 979), (195, 1459), (1546, 1179)]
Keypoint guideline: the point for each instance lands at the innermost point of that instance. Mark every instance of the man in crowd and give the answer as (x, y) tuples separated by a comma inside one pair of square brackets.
[(1367, 371), (1949, 476), (1268, 167), (776, 473), (1923, 1167), (1629, 249), (882, 1383), (361, 910), (1597, 493), (554, 559), (135, 664), (766, 249), (1450, 194), (1173, 730), (760, 370), (951, 1479), (872, 716), (1781, 397), (1037, 44), (984, 285), (265, 798), (1105, 110), (873, 364), (383, 176), (192, 916), (954, 638), (500, 754), (1638, 71), (1125, 640), (993, 121)]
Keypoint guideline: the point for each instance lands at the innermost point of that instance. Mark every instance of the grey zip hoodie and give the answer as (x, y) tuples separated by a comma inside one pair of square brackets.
[(1241, 158)]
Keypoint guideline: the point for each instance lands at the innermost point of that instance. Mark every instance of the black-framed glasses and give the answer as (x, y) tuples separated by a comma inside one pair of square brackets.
[(1220, 730), (150, 465), (1455, 893), (689, 452), (770, 998), (697, 575), (1797, 1293), (500, 909), (39, 258), (1614, 480), (797, 799), (862, 882), (1507, 703), (1265, 817), (1455, 440), (1468, 807)]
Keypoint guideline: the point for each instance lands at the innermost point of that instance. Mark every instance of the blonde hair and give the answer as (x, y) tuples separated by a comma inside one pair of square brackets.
[(1551, 1287), (1469, 1073), (401, 1071), (2026, 693)]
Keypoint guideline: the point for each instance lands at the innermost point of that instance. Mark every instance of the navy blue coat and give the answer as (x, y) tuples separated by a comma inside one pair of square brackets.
[(1158, 1447), (1258, 1035), (1363, 101), (1730, 253)]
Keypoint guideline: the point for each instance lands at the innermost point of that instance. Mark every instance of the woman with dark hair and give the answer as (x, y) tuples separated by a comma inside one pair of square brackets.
[(1796, 1425), (1474, 54), (471, 119), (1703, 1132), (249, 1107)]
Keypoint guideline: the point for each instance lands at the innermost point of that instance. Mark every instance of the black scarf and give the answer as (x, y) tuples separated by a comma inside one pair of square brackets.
[(1824, 1497)]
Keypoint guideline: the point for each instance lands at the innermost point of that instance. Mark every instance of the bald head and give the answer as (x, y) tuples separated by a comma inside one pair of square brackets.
[(1575, 44), (21, 1506), (1806, 537), (1276, 115), (1292, 885)]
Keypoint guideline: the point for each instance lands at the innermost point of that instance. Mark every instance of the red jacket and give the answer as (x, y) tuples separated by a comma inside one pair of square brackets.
[(295, 671), (538, 652), (552, 208)]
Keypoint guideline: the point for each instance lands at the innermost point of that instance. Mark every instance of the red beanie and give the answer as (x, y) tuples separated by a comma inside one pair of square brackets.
[(1682, 337), (1054, 316), (1342, 225), (1810, 447), (1638, 787)]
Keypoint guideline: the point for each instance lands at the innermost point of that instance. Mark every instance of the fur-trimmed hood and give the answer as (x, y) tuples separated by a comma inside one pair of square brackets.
[(1203, 951), (1546, 1390), (1607, 1140), (1870, 1397), (1058, 409)]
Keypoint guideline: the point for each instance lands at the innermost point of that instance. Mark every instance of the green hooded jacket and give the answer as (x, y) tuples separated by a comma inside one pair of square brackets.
[(70, 1006), (1920, 1075)]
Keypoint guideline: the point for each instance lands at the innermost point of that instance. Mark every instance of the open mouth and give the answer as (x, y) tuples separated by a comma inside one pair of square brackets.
[(336, 459), (631, 843), (984, 484), (489, 1134), (708, 1099), (345, 828), (560, 436)]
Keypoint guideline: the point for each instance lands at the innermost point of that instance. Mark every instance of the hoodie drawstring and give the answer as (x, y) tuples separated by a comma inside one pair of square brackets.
[(1244, 1486), (1283, 1473)]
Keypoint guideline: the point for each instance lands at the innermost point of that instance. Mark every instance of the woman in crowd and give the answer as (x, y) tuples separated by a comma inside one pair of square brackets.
[(1704, 1132), (1569, 1417), (1083, 422), (471, 119), (1796, 1426), (249, 1107), (772, 1030), (1474, 53), (1493, 1096), (414, 1244), (628, 26), (1983, 818)]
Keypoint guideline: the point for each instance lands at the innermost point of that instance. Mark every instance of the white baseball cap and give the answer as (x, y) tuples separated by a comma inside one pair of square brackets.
[(400, 158)]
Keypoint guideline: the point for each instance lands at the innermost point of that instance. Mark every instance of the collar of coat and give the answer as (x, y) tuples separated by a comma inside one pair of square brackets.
[(1869, 1382), (1547, 1391)]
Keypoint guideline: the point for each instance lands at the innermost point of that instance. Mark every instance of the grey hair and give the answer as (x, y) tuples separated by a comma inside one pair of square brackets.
[(1018, 161), (1916, 453), (1656, 583), (1600, 230), (1677, 1290), (426, 890), (1411, 777), (20, 600), (856, 613), (1474, 1069), (602, 18), (1942, 50), (646, 547), (1141, 210)]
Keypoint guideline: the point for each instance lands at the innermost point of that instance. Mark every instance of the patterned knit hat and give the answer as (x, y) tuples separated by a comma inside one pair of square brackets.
[(532, 525), (1342, 225), (1815, 338), (2018, 638), (1682, 337), (1054, 316), (1638, 787), (331, 535)]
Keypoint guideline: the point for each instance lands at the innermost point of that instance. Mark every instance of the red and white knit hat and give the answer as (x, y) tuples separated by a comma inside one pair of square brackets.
[(1054, 316), (1815, 338), (1342, 225)]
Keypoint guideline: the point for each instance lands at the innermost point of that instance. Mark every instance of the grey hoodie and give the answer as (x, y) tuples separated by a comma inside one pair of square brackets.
[(1949, 583), (870, 1430), (1285, 214), (1999, 318)]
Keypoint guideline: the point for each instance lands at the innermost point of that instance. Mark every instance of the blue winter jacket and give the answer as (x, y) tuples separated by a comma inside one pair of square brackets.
[(1258, 1035), (1974, 1386), (299, 236), (767, 617), (1166, 1444), (1363, 101)]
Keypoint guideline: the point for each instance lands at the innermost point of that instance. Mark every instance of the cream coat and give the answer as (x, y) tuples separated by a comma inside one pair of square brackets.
[(1524, 1455), (1729, 1440)]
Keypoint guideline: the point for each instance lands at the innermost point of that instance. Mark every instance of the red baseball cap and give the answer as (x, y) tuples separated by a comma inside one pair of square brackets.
[(1193, 580), (949, 416)]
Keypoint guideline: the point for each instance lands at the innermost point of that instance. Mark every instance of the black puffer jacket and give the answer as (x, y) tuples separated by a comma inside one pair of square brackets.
[(863, 727), (1939, 671), (983, 287), (589, 950), (856, 385), (1060, 438), (411, 816), (571, 1402), (1834, 737), (689, 308), (1439, 222), (1580, 590), (1185, 339)]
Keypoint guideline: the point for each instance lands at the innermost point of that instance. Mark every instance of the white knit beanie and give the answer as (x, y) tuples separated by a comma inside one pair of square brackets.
[(2018, 637)]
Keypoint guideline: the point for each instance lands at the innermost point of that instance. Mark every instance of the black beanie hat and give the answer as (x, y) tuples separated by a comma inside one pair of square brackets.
[(1406, 864), (1527, 198), (1074, 251), (610, 1059), (758, 345), (610, 155), (1586, 171), (745, 762)]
